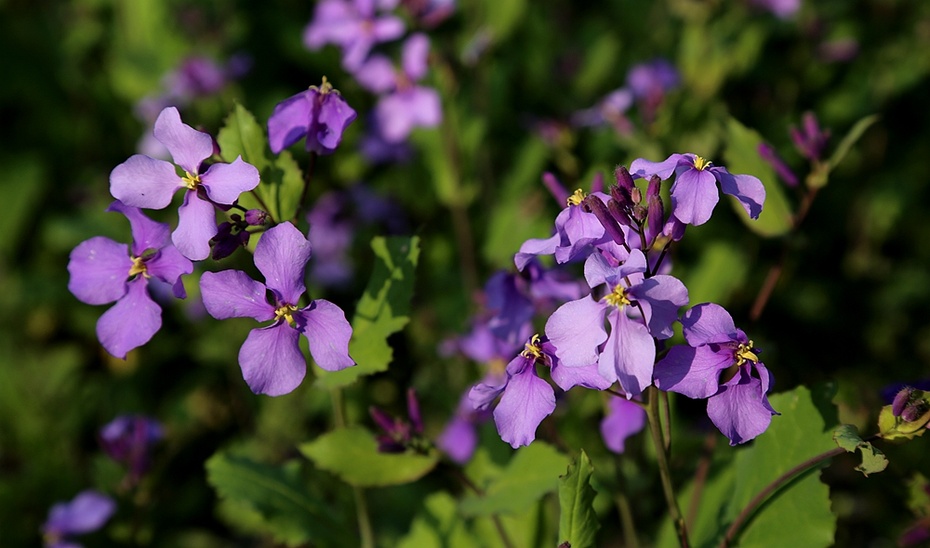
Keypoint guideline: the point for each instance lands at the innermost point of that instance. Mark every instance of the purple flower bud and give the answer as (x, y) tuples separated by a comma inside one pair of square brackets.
[(555, 188), (767, 152), (256, 217), (594, 204), (901, 400), (624, 179)]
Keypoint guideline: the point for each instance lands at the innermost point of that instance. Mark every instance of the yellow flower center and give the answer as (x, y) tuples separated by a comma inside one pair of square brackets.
[(701, 163), (287, 312), (191, 181), (325, 87), (745, 354), (576, 198), (532, 349), (138, 267), (617, 297)]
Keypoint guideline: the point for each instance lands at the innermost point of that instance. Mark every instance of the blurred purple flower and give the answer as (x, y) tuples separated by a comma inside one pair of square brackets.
[(403, 105), (609, 110), (103, 271), (810, 140), (459, 437), (320, 114), (86, 513), (767, 152), (129, 439), (624, 418), (430, 12), (783, 9), (270, 357), (398, 434), (145, 182), (721, 364), (650, 81), (354, 26), (694, 192)]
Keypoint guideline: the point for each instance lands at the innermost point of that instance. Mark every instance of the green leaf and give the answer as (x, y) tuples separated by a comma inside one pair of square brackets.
[(720, 272), (797, 435), (352, 454), (578, 522), (529, 475), (742, 157), (281, 178), (896, 428), (382, 311), (847, 437), (438, 524), (848, 140), (289, 513)]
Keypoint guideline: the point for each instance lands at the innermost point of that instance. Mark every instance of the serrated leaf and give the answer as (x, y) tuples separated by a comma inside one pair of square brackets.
[(873, 461), (797, 435), (289, 513), (530, 474), (742, 157), (578, 522), (352, 454), (382, 311)]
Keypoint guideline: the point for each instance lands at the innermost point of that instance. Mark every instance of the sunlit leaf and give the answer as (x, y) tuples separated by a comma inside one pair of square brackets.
[(532, 472), (578, 522)]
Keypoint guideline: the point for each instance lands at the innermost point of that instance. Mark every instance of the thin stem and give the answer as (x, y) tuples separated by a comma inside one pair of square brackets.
[(652, 414), (361, 504), (661, 258), (700, 476), (775, 485), (667, 423), (628, 524)]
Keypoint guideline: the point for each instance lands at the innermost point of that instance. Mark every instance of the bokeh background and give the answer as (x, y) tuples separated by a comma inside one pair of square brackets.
[(849, 310)]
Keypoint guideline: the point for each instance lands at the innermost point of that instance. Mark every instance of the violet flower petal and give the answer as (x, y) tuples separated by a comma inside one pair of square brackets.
[(99, 268), (645, 169), (289, 121), (145, 182), (741, 410), (131, 322), (458, 439), (333, 117), (281, 256), (225, 182), (146, 233), (660, 298), (271, 360), (525, 403), (414, 56), (169, 265), (624, 418), (747, 189), (87, 512), (693, 372), (535, 247), (629, 354), (328, 333), (708, 323), (188, 146), (694, 196), (586, 376), (377, 74), (233, 294), (196, 225), (575, 330)]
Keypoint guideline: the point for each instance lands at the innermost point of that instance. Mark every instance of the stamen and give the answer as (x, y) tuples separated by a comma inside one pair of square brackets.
[(286, 311), (576, 198), (617, 297), (138, 267), (532, 349), (701, 163), (744, 353), (191, 181)]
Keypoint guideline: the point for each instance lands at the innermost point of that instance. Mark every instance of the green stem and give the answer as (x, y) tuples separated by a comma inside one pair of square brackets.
[(311, 163), (361, 504), (655, 428)]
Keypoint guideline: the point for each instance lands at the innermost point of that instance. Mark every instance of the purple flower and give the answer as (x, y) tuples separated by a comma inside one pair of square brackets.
[(398, 434), (694, 192), (87, 512), (783, 9), (129, 439), (526, 399), (320, 114), (103, 271), (459, 437), (403, 104), (609, 110), (638, 310), (651, 80), (270, 357), (721, 364), (767, 152), (352, 25), (145, 182), (810, 140), (624, 418)]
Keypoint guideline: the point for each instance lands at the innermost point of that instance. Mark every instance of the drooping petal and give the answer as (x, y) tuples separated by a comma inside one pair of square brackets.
[(747, 189), (575, 330), (580, 231), (328, 332), (629, 354), (483, 393), (740, 410), (708, 323), (87, 512), (587, 376), (527, 400), (188, 146), (233, 294), (535, 247), (660, 297), (281, 255), (414, 56), (225, 182), (99, 268), (290, 119), (693, 372), (146, 233), (332, 119), (145, 182), (624, 418), (169, 265), (271, 360), (645, 169), (694, 196), (131, 322), (196, 225)]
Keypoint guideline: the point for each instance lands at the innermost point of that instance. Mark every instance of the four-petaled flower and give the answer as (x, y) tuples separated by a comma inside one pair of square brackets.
[(270, 357), (694, 192), (103, 271), (721, 364), (352, 25), (145, 182), (318, 113)]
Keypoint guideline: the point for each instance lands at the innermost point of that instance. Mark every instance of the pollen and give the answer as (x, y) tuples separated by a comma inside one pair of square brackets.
[(138, 267), (287, 312), (576, 198), (191, 181), (700, 163), (744, 353), (532, 349), (617, 297)]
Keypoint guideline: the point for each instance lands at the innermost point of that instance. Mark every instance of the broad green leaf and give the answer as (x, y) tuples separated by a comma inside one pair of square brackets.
[(352, 454), (742, 157), (798, 434), (529, 475), (277, 493), (578, 522), (281, 178), (873, 461), (382, 311)]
